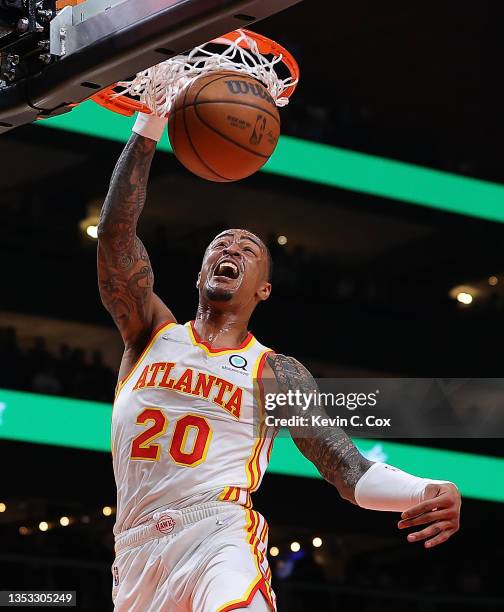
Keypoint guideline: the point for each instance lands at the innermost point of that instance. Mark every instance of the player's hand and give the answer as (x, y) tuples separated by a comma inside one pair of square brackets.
[(440, 511)]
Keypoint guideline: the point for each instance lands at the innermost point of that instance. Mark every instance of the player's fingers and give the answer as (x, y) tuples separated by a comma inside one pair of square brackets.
[(426, 506), (440, 538), (429, 532), (428, 517)]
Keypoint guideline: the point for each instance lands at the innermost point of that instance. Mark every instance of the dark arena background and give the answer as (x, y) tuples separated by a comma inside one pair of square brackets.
[(383, 208)]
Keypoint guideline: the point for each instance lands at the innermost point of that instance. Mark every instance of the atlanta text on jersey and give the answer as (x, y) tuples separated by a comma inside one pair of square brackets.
[(192, 382)]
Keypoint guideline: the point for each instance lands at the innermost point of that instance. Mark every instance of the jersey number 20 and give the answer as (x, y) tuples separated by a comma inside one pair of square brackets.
[(189, 454)]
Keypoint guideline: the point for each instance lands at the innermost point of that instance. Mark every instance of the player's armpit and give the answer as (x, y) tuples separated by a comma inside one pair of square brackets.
[(329, 448), (125, 274)]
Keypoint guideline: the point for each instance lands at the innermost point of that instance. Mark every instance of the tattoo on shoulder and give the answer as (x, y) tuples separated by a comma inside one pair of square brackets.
[(328, 448)]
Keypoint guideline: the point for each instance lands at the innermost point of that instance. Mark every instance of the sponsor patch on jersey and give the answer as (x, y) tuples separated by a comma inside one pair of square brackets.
[(166, 524), (237, 361)]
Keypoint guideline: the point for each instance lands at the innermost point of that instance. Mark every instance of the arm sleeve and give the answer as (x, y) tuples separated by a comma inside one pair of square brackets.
[(150, 126), (384, 487)]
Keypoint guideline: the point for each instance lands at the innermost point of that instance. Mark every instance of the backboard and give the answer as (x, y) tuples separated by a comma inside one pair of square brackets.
[(69, 50)]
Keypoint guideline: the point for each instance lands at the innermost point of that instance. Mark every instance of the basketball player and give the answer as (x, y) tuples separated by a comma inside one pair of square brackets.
[(186, 452)]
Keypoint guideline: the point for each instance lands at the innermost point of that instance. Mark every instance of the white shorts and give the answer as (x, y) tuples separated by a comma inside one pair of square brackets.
[(206, 558)]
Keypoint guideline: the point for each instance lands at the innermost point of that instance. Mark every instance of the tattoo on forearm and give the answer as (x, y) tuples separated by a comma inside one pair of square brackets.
[(124, 270), (328, 448)]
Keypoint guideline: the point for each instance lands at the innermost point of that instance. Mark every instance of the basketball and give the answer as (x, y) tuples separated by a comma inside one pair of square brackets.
[(224, 126)]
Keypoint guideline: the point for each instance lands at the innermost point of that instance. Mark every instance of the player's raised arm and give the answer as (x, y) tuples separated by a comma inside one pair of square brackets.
[(376, 486), (125, 274)]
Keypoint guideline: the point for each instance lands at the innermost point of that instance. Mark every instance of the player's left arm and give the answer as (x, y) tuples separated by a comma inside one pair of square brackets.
[(376, 486)]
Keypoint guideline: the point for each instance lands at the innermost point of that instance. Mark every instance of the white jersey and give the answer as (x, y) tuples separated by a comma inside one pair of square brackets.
[(187, 426)]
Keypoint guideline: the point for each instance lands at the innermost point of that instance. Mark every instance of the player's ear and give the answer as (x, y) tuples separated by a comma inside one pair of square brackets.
[(198, 281), (264, 291)]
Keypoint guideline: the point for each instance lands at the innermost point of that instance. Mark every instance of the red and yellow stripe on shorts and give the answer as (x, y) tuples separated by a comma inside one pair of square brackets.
[(257, 538), (256, 533)]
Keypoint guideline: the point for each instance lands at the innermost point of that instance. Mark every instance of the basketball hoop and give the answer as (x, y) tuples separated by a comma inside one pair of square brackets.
[(155, 89)]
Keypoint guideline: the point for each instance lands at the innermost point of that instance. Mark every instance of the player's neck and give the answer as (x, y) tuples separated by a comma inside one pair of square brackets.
[(220, 329)]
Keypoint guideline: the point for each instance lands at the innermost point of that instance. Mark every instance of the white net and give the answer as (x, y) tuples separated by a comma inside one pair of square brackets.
[(159, 86)]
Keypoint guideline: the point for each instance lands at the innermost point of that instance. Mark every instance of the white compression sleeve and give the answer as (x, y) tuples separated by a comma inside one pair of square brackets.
[(150, 126), (384, 487)]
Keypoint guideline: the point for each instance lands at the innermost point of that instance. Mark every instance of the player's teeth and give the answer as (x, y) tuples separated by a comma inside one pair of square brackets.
[(227, 265)]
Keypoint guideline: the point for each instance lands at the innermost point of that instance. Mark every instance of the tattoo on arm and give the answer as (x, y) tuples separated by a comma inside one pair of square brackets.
[(124, 270), (328, 448)]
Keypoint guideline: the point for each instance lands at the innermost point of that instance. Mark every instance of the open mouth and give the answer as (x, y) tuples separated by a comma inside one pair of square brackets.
[(228, 269)]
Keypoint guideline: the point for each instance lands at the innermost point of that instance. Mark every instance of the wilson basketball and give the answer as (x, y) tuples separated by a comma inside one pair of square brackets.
[(224, 126)]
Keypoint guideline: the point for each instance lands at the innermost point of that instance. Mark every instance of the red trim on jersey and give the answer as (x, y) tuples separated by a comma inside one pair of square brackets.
[(256, 462), (248, 338), (147, 346), (256, 458), (260, 367), (275, 432)]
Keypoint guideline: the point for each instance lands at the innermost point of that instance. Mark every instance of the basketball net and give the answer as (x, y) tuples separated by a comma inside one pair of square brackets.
[(245, 52)]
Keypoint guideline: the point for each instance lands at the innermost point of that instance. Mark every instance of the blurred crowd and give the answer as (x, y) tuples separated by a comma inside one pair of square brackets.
[(69, 372)]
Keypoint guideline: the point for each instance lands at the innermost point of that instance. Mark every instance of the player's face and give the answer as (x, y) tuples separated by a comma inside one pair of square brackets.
[(235, 268)]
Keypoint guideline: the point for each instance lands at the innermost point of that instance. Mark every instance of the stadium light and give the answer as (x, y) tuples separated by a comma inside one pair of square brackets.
[(317, 542), (89, 225), (464, 294), (274, 551), (64, 521), (464, 297), (295, 546), (92, 231), (43, 526)]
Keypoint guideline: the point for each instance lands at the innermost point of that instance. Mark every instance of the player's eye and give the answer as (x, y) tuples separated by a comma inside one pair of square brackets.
[(249, 250)]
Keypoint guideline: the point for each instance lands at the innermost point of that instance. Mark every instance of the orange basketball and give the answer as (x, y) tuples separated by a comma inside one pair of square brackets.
[(224, 126)]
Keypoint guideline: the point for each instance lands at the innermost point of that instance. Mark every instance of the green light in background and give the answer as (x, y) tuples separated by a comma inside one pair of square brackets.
[(42, 419), (477, 476), (311, 161), (61, 421)]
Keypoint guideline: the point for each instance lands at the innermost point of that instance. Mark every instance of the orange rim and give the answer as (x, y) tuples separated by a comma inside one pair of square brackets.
[(267, 46), (124, 105)]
